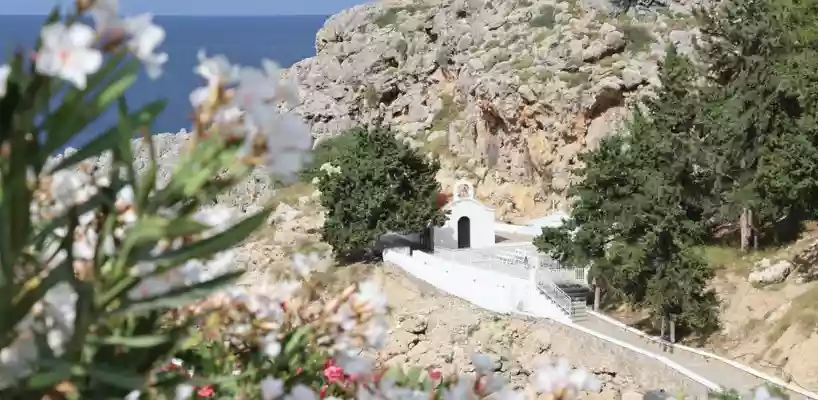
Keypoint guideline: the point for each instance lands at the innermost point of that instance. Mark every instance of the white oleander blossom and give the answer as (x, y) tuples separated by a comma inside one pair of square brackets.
[(5, 71), (270, 345), (217, 70), (301, 392), (271, 388), (283, 141), (262, 87), (562, 380), (305, 264), (762, 393), (371, 297), (144, 38), (184, 392), (105, 14), (141, 34), (219, 74), (67, 53), (482, 363)]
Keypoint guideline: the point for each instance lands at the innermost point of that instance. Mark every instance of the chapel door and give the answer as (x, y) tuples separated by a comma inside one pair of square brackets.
[(463, 233)]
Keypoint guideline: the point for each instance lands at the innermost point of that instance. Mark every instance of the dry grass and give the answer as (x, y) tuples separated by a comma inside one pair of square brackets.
[(290, 194), (731, 260), (802, 313), (447, 114)]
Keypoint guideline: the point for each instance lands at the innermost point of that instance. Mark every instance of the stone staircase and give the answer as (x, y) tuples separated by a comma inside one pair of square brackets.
[(579, 295)]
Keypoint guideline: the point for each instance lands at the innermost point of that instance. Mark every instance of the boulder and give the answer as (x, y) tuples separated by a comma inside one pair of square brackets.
[(766, 272)]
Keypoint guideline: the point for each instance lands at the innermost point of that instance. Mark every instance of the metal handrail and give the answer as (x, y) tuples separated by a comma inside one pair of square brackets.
[(550, 289), (566, 274)]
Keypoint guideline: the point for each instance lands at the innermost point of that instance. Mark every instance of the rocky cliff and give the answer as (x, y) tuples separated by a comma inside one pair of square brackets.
[(506, 92)]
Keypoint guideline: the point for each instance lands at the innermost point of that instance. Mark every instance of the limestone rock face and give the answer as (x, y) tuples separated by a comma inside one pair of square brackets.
[(507, 92)]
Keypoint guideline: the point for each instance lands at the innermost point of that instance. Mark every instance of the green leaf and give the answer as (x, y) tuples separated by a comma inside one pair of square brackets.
[(145, 341), (146, 185), (413, 376), (56, 371), (191, 165), (74, 114), (426, 384), (117, 89), (177, 297), (112, 137), (295, 342), (395, 372), (123, 153), (151, 228), (117, 378), (32, 293), (216, 243)]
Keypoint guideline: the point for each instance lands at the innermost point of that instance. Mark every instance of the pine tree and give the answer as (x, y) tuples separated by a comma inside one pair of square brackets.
[(639, 209), (760, 154)]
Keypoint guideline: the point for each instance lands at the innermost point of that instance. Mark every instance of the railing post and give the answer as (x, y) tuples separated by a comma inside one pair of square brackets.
[(532, 275)]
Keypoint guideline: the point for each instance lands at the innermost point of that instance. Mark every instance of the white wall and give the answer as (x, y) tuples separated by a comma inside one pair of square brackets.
[(491, 290), (482, 225), (517, 229)]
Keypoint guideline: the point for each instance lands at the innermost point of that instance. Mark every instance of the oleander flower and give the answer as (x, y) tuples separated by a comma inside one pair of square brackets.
[(5, 71), (144, 38), (67, 53)]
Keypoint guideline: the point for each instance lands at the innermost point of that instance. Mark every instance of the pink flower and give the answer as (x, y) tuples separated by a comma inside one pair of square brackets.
[(334, 373), (206, 391), (435, 375)]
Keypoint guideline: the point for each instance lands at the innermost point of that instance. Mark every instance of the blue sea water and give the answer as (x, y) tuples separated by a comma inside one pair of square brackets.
[(244, 40)]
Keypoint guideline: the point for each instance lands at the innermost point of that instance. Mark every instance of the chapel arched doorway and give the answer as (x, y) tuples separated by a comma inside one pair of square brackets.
[(463, 233)]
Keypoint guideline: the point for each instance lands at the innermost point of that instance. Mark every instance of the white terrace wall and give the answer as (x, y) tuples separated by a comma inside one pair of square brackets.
[(504, 294), (487, 289)]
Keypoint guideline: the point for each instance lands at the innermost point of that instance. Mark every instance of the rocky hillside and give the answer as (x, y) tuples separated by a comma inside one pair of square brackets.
[(507, 92)]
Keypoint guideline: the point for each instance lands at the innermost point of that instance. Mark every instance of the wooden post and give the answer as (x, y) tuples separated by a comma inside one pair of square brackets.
[(662, 330), (745, 231), (597, 295), (753, 231), (672, 330)]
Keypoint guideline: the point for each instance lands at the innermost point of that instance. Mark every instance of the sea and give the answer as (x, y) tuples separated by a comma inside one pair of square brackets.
[(244, 40)]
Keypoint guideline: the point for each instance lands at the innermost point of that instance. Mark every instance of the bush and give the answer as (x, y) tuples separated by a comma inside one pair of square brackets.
[(637, 36), (324, 152), (376, 186), (545, 19)]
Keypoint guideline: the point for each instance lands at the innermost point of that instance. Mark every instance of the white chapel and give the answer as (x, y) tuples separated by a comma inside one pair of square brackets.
[(470, 224)]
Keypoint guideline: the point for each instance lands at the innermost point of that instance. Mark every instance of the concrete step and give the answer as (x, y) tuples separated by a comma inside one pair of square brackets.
[(580, 311)]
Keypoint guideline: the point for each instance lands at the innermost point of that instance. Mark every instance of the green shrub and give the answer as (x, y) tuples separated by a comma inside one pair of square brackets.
[(325, 151), (447, 114), (545, 19), (389, 17), (379, 185), (637, 37)]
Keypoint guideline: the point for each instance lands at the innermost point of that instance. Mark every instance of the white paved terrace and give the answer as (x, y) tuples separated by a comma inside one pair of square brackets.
[(726, 373)]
